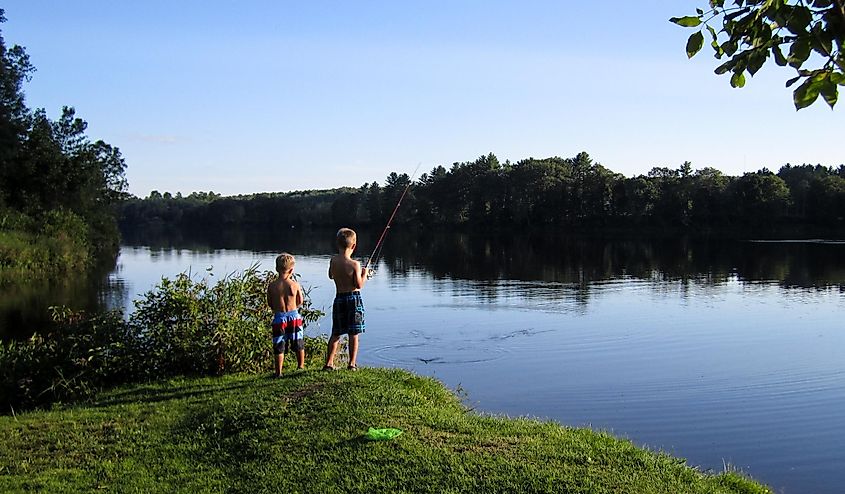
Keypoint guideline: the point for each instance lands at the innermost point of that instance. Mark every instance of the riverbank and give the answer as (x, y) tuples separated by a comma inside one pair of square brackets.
[(304, 433)]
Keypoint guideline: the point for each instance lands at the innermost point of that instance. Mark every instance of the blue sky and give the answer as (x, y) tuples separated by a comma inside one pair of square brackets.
[(258, 96)]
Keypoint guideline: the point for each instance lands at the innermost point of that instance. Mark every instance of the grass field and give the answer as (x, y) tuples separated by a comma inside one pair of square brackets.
[(305, 433)]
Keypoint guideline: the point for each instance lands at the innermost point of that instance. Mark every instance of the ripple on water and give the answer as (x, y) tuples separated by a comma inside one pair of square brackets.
[(437, 352)]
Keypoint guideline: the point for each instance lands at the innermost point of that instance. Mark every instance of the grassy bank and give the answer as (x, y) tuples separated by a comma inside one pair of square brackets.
[(304, 433)]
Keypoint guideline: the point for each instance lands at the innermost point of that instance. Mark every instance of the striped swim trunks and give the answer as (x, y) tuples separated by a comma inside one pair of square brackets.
[(287, 332), (348, 314)]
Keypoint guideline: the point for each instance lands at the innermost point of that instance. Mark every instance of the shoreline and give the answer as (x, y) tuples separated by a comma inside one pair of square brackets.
[(234, 432)]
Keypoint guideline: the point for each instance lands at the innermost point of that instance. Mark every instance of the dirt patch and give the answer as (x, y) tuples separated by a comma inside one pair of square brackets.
[(304, 392)]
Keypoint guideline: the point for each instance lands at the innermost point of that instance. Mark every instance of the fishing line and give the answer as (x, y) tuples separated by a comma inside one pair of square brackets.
[(377, 250)]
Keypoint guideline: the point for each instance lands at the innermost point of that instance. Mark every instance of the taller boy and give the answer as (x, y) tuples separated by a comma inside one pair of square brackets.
[(348, 308)]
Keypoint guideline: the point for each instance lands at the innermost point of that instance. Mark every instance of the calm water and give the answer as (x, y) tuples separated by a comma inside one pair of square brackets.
[(721, 352)]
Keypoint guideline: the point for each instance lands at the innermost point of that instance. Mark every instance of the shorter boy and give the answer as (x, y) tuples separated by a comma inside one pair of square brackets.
[(284, 296), (348, 308)]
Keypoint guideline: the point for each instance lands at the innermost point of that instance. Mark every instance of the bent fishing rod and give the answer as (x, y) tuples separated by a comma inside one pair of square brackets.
[(377, 250)]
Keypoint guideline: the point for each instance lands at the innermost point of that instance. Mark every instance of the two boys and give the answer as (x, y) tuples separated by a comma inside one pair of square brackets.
[(284, 295)]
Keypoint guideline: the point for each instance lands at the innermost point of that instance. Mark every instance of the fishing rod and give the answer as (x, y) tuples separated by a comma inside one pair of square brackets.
[(377, 250)]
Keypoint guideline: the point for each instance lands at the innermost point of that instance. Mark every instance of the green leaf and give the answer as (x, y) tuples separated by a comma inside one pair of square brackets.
[(829, 92), (734, 15), (712, 32), (725, 67), (806, 94), (694, 43), (799, 19), (738, 79), (799, 52), (779, 58), (822, 40), (729, 47), (837, 78), (762, 35), (686, 21), (792, 81), (756, 60)]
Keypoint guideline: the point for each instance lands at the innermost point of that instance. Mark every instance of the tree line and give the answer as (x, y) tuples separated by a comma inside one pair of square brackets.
[(553, 192)]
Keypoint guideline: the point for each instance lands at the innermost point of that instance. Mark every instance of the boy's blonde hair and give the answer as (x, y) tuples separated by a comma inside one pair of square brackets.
[(284, 262), (346, 238)]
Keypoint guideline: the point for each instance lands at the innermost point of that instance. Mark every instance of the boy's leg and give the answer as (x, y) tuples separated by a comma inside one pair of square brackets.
[(332, 350), (353, 350), (295, 342), (300, 359), (278, 363)]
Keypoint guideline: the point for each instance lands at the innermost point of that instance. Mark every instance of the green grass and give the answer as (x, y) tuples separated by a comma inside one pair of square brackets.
[(304, 433)]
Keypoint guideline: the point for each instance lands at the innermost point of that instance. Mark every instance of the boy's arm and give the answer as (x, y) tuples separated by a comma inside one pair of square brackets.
[(268, 296), (359, 276), (300, 296), (330, 268)]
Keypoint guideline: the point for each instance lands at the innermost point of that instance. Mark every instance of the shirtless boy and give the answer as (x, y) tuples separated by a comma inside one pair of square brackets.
[(284, 296), (348, 308)]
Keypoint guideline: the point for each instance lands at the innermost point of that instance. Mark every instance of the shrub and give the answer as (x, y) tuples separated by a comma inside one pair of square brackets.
[(194, 327), (81, 355), (180, 327)]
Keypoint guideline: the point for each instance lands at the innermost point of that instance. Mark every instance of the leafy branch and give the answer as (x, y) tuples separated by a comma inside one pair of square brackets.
[(806, 35)]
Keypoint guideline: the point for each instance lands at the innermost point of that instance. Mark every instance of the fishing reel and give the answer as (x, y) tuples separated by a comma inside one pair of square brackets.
[(371, 271)]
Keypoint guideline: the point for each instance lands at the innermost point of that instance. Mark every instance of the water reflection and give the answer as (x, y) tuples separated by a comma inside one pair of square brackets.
[(580, 263), (576, 261), (24, 306), (542, 267)]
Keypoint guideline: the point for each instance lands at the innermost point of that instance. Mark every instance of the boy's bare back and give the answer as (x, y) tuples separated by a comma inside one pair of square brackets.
[(284, 294), (347, 273)]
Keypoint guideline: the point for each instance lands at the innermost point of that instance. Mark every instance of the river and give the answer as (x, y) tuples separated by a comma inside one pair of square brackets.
[(724, 352)]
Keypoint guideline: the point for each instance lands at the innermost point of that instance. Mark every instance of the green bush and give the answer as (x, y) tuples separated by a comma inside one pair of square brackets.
[(180, 327), (194, 327), (80, 356)]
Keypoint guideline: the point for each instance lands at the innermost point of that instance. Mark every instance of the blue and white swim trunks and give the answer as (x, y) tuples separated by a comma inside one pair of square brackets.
[(287, 332)]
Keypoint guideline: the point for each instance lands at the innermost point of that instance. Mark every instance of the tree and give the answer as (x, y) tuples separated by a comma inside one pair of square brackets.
[(761, 197), (373, 201), (51, 168), (708, 196), (817, 193), (15, 69), (795, 32)]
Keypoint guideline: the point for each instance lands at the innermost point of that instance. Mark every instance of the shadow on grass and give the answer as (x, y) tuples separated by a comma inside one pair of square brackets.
[(154, 393)]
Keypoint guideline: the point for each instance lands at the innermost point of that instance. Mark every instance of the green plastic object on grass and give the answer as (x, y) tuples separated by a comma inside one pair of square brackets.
[(382, 434)]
